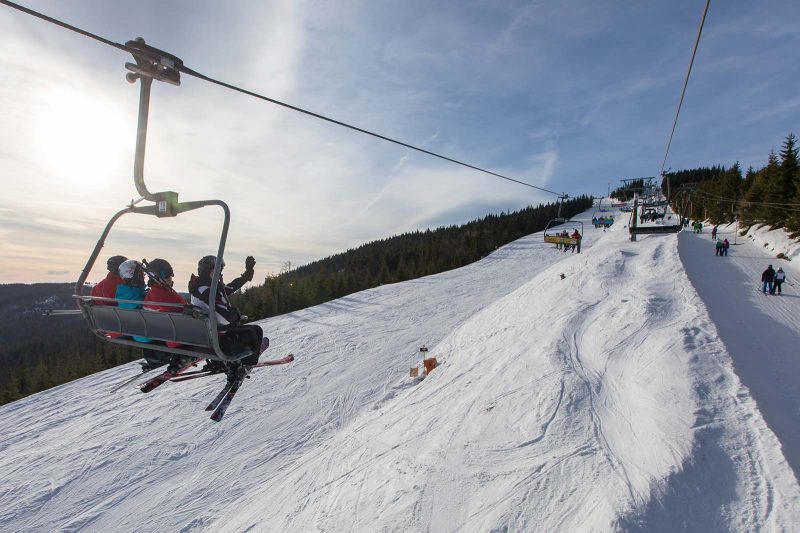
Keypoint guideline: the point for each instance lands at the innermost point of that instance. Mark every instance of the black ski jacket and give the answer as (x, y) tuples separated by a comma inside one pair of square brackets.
[(227, 313)]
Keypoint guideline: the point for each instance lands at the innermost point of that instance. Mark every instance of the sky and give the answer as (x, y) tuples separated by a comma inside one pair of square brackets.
[(568, 95)]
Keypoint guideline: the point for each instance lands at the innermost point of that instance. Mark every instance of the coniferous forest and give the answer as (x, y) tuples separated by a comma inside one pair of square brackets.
[(37, 351), (766, 196), (400, 258)]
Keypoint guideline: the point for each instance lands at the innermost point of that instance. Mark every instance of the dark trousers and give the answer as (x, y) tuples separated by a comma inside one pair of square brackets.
[(236, 339), (777, 286), (156, 358)]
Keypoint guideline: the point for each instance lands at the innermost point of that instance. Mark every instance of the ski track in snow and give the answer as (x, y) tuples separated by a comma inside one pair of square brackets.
[(604, 400)]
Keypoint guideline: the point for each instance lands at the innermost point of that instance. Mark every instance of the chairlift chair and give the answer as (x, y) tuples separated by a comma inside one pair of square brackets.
[(658, 229), (558, 239), (195, 331)]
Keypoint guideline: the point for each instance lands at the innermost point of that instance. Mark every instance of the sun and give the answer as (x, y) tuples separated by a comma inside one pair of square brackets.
[(83, 139)]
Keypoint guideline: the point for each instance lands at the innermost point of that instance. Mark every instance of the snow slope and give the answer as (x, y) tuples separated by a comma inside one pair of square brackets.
[(603, 400)]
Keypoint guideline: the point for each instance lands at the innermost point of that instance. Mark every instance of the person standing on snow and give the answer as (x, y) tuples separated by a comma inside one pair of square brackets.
[(718, 248), (767, 277), (108, 287), (235, 337), (780, 277), (725, 246), (714, 233)]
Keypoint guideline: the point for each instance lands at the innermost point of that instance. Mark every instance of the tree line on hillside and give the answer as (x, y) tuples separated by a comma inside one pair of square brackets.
[(400, 258), (38, 352), (769, 195), (626, 192)]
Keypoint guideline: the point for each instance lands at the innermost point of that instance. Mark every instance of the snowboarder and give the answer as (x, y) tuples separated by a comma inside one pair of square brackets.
[(236, 337), (108, 287), (725, 246), (780, 277), (767, 277), (718, 248), (714, 233)]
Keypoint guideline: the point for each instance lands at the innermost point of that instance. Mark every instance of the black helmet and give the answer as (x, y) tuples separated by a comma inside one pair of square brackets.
[(160, 268), (114, 262), (206, 265)]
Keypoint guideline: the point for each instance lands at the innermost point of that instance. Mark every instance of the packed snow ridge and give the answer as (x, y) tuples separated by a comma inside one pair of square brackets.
[(575, 392)]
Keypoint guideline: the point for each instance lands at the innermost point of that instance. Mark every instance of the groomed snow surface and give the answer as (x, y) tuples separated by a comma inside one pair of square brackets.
[(606, 399)]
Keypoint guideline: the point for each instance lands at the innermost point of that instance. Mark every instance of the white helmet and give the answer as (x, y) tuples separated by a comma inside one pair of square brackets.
[(129, 268)]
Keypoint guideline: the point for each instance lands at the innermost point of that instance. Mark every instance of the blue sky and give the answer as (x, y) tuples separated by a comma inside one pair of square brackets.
[(568, 95)]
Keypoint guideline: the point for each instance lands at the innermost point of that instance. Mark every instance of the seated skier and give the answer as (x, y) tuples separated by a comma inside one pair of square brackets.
[(134, 290), (108, 287), (577, 236), (234, 336), (159, 290)]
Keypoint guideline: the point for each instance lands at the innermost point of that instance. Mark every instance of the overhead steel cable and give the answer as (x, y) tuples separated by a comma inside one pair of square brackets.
[(195, 74), (685, 84)]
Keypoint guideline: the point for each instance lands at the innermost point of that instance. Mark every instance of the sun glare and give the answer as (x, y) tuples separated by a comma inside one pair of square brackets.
[(82, 139)]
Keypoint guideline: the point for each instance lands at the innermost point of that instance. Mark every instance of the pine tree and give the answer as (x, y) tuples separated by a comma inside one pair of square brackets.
[(773, 193)]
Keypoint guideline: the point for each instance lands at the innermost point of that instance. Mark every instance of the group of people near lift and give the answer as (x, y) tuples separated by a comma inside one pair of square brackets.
[(720, 246), (576, 235), (772, 281), (604, 222), (125, 286)]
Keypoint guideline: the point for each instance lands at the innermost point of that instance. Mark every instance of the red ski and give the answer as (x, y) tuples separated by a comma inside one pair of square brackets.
[(162, 378), (185, 376)]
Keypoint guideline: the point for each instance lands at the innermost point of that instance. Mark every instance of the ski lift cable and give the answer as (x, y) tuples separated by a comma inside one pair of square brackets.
[(198, 75), (711, 196), (685, 84)]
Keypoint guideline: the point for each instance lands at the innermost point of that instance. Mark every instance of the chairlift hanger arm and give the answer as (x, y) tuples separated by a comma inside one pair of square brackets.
[(151, 64)]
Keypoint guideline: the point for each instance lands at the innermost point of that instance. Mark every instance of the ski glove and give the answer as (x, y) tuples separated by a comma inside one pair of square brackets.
[(250, 262)]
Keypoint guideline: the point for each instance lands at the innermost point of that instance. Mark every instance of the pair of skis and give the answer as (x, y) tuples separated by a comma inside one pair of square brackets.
[(194, 374), (221, 402), (219, 405)]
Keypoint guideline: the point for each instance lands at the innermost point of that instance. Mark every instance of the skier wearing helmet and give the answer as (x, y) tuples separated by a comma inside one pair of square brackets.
[(159, 290), (108, 287), (132, 286), (235, 337)]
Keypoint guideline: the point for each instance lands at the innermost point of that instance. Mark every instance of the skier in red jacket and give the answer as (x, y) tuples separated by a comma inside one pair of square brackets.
[(108, 287), (160, 290)]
